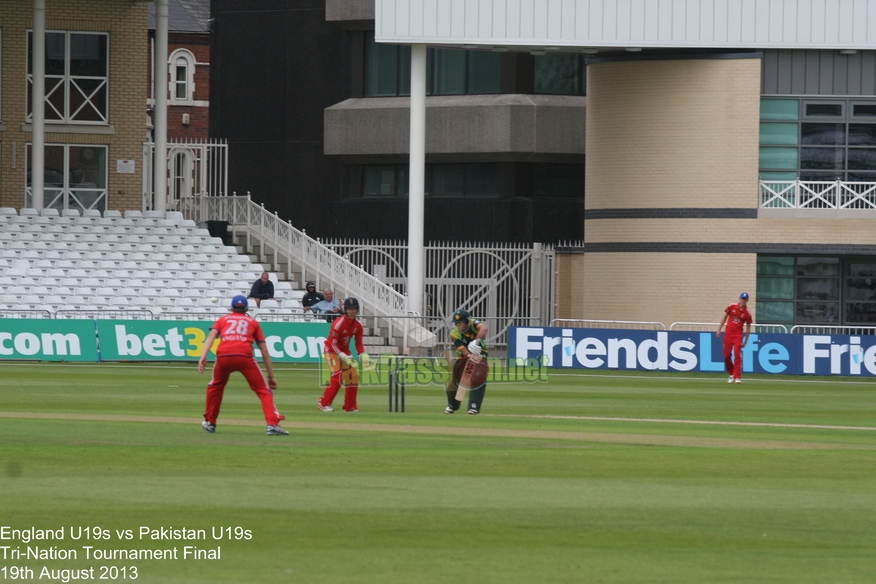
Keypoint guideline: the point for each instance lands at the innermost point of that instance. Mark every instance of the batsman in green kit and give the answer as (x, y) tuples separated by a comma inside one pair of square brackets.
[(465, 348)]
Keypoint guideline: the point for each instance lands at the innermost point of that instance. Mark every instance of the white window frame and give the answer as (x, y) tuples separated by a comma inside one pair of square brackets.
[(62, 197), (68, 83), (172, 82)]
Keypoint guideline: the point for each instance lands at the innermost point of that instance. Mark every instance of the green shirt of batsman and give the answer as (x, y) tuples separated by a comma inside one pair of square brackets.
[(466, 339)]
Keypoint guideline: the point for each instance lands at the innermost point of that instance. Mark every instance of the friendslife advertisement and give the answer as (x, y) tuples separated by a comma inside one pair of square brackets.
[(693, 351)]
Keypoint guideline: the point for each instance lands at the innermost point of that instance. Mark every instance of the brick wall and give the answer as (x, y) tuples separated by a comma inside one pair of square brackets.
[(199, 112), (663, 287), (126, 23), (668, 135)]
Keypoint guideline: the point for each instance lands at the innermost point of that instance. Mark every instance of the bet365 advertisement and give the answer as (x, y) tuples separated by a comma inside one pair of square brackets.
[(694, 351), (144, 340)]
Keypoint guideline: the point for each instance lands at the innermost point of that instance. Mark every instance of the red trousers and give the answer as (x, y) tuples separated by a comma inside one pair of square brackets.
[(249, 367), (733, 344), (341, 373)]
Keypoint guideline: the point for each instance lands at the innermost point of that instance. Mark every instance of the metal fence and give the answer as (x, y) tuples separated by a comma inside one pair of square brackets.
[(487, 279), (194, 167)]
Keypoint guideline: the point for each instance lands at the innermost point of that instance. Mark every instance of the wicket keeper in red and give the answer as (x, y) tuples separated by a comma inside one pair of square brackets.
[(736, 315), (339, 360), (237, 332)]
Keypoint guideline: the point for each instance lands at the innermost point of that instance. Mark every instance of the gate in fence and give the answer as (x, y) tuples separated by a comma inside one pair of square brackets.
[(504, 283), (194, 167)]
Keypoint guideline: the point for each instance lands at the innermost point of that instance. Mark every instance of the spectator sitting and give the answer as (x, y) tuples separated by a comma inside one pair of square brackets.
[(262, 289), (331, 306), (312, 297)]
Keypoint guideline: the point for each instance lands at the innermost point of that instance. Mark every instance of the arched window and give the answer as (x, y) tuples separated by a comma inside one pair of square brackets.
[(182, 75)]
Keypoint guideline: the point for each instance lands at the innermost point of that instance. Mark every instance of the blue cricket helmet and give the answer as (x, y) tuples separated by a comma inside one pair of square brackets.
[(239, 302), (743, 296), (351, 303)]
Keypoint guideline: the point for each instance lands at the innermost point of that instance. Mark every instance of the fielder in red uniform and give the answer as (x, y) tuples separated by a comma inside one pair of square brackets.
[(237, 332), (339, 360), (736, 315)]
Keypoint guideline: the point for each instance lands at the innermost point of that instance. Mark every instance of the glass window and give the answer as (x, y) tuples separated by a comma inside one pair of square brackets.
[(823, 134), (780, 109), (775, 312), (559, 74), (75, 177), (822, 158), (778, 158), (862, 134), (181, 78), (484, 72), (775, 266), (382, 68), (862, 159), (822, 110), (558, 180), (448, 72), (378, 181), (77, 72), (779, 134), (816, 290), (775, 288), (448, 179), (817, 266), (482, 179), (864, 110)]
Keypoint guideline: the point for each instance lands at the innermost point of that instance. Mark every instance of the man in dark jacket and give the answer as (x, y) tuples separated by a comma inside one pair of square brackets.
[(312, 297), (262, 289)]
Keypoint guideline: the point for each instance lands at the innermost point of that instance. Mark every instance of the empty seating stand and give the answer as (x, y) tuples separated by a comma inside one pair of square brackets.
[(62, 263)]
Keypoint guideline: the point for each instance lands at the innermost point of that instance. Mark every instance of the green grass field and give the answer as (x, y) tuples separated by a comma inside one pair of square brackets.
[(588, 478)]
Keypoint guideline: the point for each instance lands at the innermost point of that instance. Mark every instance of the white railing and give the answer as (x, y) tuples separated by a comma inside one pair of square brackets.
[(817, 329), (712, 326), (797, 194), (194, 167), (302, 253), (608, 324)]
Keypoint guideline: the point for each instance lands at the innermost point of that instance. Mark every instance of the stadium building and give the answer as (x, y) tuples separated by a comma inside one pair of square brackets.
[(726, 146)]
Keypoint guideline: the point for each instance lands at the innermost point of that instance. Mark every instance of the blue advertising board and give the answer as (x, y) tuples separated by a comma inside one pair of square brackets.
[(787, 354)]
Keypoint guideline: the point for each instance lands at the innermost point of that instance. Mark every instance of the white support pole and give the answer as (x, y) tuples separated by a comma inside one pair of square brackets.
[(159, 182), (417, 174), (38, 107)]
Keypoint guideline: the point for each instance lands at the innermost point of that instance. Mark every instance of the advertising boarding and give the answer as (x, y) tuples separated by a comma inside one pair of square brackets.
[(788, 354)]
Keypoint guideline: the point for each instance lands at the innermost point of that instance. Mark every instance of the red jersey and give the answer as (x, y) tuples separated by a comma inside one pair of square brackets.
[(343, 329), (737, 316), (238, 331)]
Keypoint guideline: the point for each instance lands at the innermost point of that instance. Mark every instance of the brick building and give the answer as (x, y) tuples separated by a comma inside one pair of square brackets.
[(95, 127), (188, 59)]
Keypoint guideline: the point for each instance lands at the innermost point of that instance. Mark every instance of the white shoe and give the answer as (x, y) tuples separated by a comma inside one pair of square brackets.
[(449, 410), (730, 380), (322, 407), (738, 380), (473, 412)]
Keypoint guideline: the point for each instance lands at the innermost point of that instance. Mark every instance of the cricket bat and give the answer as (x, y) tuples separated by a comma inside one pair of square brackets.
[(470, 371)]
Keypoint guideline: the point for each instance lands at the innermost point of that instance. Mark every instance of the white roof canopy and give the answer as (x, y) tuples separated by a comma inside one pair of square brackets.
[(617, 24)]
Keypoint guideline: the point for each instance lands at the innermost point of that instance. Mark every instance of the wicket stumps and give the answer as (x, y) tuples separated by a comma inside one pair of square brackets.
[(396, 389)]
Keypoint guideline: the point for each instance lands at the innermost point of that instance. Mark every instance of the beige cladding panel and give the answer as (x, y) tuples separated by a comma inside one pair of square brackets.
[(791, 230), (662, 287), (673, 134), (126, 23)]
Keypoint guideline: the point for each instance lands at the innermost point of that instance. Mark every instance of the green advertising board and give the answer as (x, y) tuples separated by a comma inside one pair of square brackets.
[(47, 340), (175, 340)]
